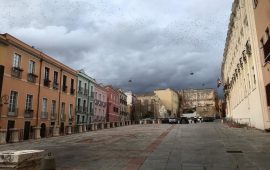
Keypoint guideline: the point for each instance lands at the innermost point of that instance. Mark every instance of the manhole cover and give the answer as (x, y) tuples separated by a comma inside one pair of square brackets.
[(234, 151)]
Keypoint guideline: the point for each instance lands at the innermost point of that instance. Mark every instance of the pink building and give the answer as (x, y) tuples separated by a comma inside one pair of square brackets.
[(113, 104), (100, 104)]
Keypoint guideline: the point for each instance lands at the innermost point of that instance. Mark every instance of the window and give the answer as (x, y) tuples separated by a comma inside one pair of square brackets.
[(99, 96), (32, 67), (64, 83), (70, 111), (79, 102), (63, 105), (17, 60), (84, 105), (255, 3), (80, 85), (29, 102), (91, 106), (266, 46), (55, 77), (44, 105), (53, 109), (47, 73), (268, 94), (13, 101), (72, 83)]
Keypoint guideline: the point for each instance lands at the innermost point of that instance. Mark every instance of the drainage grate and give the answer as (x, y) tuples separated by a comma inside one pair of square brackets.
[(234, 151)]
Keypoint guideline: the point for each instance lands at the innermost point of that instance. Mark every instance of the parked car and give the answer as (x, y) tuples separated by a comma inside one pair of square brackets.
[(208, 119), (173, 120)]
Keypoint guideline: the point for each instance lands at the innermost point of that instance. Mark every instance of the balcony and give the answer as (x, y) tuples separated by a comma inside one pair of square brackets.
[(64, 88), (55, 85), (53, 116), (85, 109), (44, 115), (85, 92), (92, 95), (13, 112), (32, 77), (47, 82), (16, 72), (63, 117), (72, 91), (80, 90), (79, 109), (28, 113)]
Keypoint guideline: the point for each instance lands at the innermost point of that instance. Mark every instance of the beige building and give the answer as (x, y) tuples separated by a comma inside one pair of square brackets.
[(150, 105), (245, 66), (204, 101), (170, 99)]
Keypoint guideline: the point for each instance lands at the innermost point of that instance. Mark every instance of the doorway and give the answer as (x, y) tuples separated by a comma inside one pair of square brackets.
[(27, 127), (11, 125), (43, 130)]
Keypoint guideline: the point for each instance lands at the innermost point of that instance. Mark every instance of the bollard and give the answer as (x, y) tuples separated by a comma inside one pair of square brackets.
[(3, 133), (55, 131), (48, 162)]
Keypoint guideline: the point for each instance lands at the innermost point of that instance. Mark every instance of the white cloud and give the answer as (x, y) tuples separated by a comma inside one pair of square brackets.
[(154, 43)]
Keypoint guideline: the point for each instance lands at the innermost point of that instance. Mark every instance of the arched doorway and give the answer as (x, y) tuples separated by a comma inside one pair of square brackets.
[(43, 130)]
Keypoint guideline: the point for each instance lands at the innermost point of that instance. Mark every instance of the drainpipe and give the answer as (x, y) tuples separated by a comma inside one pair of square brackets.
[(59, 97), (39, 86)]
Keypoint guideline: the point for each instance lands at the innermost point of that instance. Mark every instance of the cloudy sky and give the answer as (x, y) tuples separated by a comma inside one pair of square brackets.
[(154, 43)]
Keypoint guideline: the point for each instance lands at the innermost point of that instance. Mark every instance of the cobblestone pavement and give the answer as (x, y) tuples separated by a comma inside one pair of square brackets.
[(204, 146)]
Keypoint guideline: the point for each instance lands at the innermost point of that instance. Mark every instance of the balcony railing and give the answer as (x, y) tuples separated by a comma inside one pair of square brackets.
[(85, 109), (53, 116), (28, 113), (79, 109), (80, 90), (85, 92), (32, 77), (16, 72), (64, 88), (72, 91), (44, 115), (63, 117), (47, 82), (13, 112), (92, 95), (55, 85)]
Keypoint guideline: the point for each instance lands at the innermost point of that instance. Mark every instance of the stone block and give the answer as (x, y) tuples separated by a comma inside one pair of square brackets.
[(21, 160)]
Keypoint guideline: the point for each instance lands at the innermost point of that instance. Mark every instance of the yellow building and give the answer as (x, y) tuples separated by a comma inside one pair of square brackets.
[(245, 66), (170, 99)]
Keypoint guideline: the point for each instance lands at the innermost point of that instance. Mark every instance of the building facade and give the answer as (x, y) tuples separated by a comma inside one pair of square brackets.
[(204, 101), (245, 66), (85, 98), (150, 106), (41, 90), (131, 99), (170, 99), (124, 114), (100, 104), (113, 109)]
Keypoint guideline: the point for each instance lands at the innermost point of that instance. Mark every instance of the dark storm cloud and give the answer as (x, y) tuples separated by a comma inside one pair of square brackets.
[(153, 43)]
